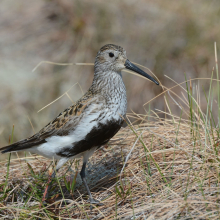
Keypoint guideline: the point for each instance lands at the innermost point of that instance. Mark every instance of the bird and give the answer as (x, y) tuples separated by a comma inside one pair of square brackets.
[(91, 121)]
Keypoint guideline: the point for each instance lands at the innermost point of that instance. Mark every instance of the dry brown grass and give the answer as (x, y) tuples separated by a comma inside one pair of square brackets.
[(187, 189)]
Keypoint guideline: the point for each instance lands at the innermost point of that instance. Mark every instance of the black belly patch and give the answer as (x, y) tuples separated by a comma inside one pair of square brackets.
[(98, 136)]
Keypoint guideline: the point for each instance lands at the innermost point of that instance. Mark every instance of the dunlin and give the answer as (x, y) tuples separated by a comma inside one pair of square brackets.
[(92, 121)]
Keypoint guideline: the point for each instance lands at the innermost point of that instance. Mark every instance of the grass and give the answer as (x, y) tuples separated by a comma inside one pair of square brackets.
[(172, 172), (155, 168)]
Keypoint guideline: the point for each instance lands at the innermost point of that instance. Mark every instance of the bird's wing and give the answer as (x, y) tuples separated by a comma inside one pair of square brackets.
[(65, 122)]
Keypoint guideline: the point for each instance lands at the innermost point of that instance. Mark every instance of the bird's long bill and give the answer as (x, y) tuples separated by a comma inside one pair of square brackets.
[(134, 68)]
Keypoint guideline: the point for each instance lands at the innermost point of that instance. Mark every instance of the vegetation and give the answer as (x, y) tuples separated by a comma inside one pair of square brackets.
[(156, 167)]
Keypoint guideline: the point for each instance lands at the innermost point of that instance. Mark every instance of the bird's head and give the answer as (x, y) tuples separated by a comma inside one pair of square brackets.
[(112, 58)]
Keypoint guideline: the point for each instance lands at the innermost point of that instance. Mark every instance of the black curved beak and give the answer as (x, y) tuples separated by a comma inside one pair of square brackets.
[(134, 68)]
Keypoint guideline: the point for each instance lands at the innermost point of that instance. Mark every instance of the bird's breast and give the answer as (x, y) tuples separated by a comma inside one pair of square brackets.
[(117, 101), (112, 88)]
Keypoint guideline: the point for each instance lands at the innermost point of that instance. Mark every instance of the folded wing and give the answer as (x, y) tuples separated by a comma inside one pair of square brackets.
[(62, 125)]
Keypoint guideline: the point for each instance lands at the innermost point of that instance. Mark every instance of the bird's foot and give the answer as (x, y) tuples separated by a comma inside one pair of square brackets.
[(94, 202)]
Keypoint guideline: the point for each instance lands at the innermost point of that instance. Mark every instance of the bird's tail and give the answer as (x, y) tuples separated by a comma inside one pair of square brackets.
[(12, 147), (22, 144), (6, 149)]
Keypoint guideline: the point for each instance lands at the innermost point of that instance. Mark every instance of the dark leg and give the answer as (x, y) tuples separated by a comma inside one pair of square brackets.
[(48, 186), (83, 175), (60, 163)]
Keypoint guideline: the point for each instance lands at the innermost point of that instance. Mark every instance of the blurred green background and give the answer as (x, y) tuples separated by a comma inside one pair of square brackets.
[(169, 37)]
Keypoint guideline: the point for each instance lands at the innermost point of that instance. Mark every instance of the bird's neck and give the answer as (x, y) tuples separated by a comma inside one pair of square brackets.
[(111, 86), (108, 82)]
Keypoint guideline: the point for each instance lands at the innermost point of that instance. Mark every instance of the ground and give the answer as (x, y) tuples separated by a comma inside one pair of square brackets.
[(158, 170)]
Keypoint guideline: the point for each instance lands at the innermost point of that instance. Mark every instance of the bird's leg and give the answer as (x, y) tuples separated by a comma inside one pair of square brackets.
[(48, 186), (83, 175), (61, 162)]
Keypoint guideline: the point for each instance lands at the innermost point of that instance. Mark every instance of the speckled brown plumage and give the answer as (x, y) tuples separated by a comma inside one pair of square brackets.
[(60, 126)]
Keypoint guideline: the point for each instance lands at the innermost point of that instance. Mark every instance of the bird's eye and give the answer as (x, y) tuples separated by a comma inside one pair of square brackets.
[(111, 54)]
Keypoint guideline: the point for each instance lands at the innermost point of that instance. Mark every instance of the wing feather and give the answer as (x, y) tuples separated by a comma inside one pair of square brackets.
[(65, 122)]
